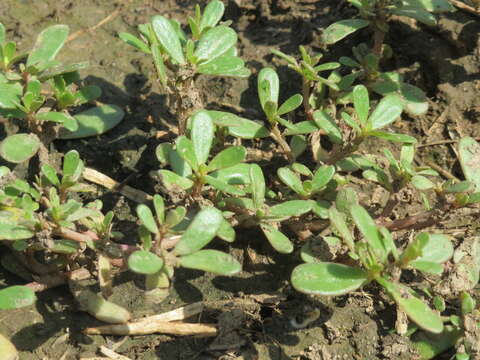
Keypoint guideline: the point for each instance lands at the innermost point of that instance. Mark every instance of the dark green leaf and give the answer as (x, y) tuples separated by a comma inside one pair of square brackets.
[(325, 121), (328, 279), (290, 104), (14, 232)]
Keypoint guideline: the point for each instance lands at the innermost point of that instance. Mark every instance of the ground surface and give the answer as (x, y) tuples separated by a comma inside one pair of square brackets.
[(444, 61)]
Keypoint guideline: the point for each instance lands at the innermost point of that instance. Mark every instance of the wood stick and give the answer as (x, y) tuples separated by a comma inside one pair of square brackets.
[(160, 327), (95, 27), (107, 182), (112, 354), (181, 313), (465, 7)]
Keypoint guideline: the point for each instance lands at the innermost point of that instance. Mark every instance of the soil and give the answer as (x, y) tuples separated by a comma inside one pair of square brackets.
[(256, 307)]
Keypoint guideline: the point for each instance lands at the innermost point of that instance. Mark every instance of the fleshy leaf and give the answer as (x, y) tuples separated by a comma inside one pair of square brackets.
[(174, 182), (387, 111), (159, 206), (361, 102), (341, 29), (15, 297), (322, 177), (229, 157), (422, 183), (200, 232), (66, 120), (248, 129), (184, 148), (268, 86), (168, 38), (337, 219), (258, 185), (212, 14), (144, 262), (234, 175), (146, 216), (328, 279), (401, 138), (469, 156), (419, 312), (290, 104), (277, 239), (290, 208), (369, 230), (95, 121), (226, 232), (202, 134), (326, 123), (437, 249), (48, 44), (213, 261), (291, 179), (19, 147), (223, 187), (14, 232), (215, 42), (225, 66), (135, 42)]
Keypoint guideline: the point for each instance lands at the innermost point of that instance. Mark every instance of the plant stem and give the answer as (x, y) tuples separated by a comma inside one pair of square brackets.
[(306, 86), (278, 137)]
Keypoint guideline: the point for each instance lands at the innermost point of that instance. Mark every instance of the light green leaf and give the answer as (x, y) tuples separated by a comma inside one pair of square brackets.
[(292, 180), (226, 232), (258, 185), (174, 182), (2, 34), (184, 148), (387, 111), (213, 261), (437, 249), (15, 297), (422, 183), (361, 103), (302, 127), (95, 121), (66, 120), (325, 122), (234, 175), (277, 239), (430, 5), (469, 156), (225, 66), (175, 216), (418, 14), (19, 147), (72, 165), (159, 206), (202, 134), (51, 174), (146, 216), (341, 29), (215, 42), (369, 230), (228, 157), (223, 187), (328, 279), (290, 208), (48, 44), (14, 232), (416, 309), (61, 70), (337, 219), (268, 86), (401, 138), (10, 95), (322, 177), (212, 14), (200, 232), (134, 41), (168, 38), (144, 262), (290, 104), (248, 129)]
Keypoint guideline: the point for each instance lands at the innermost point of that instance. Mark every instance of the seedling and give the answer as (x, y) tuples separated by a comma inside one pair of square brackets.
[(23, 96), (209, 50), (379, 261), (158, 256)]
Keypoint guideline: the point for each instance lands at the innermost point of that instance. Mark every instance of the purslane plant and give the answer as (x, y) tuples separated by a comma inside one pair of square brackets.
[(37, 90), (179, 59)]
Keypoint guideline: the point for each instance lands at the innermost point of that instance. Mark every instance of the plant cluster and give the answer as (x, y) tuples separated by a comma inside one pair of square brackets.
[(208, 187)]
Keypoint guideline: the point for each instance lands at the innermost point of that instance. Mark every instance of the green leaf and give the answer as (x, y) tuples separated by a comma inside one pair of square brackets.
[(61, 70), (416, 309), (3, 33), (320, 208), (213, 261), (325, 122), (328, 279), (159, 206), (418, 14), (223, 187), (302, 127), (290, 208), (66, 120), (146, 216), (228, 157), (215, 42), (429, 346), (234, 175), (51, 174), (422, 183), (401, 138), (337, 220), (87, 94), (95, 121), (177, 163), (168, 38), (225, 66), (200, 232), (10, 95), (159, 65), (322, 177), (341, 29), (212, 14), (268, 86), (162, 152), (298, 145), (19, 147), (226, 231), (48, 44), (361, 103), (277, 239), (72, 165), (430, 5), (387, 111), (175, 216), (184, 148), (258, 185), (462, 186), (14, 232), (469, 156), (290, 104), (369, 230), (144, 262), (135, 42), (292, 180), (248, 129), (174, 182), (202, 134), (15, 297), (437, 249)]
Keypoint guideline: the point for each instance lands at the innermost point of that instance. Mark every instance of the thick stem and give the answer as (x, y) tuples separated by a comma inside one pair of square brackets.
[(306, 86), (378, 39), (186, 100), (278, 137)]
